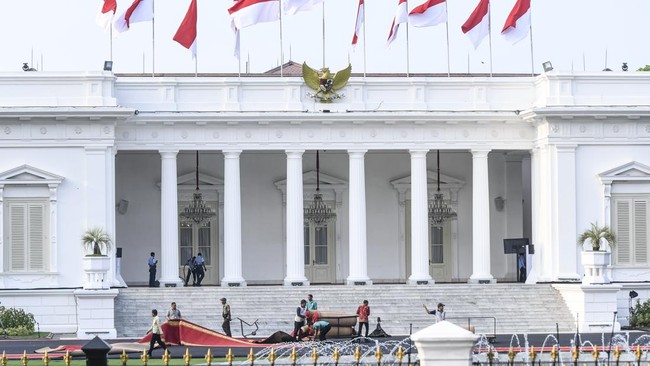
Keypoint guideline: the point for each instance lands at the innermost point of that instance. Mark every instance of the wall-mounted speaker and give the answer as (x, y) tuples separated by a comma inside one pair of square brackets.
[(122, 206)]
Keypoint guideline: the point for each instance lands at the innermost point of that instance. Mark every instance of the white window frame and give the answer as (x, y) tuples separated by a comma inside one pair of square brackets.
[(28, 184), (630, 182)]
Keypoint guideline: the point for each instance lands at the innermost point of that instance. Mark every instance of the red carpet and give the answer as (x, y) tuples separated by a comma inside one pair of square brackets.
[(182, 332)]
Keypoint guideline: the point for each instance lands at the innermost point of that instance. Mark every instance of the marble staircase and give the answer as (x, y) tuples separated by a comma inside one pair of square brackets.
[(517, 308)]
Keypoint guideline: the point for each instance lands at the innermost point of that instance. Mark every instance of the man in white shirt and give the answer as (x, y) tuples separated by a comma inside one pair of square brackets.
[(155, 331)]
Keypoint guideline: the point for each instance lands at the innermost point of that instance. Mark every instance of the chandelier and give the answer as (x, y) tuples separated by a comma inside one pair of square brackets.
[(318, 213), (439, 211), (197, 210)]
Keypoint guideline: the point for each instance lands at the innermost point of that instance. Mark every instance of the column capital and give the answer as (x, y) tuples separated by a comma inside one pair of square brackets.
[(415, 153), (357, 153), (231, 153), (168, 153), (480, 152), (294, 153), (566, 148)]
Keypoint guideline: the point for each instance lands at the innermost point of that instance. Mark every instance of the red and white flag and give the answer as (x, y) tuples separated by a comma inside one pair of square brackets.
[(139, 11), (186, 33), (429, 13), (250, 12), (401, 16), (291, 7), (517, 25), (477, 27), (106, 12), (358, 26)]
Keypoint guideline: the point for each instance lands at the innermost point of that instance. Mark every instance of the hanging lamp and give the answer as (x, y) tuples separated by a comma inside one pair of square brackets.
[(318, 212), (197, 211), (439, 211)]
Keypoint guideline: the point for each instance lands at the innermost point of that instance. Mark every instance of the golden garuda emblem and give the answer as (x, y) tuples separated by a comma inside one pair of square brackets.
[(325, 83)]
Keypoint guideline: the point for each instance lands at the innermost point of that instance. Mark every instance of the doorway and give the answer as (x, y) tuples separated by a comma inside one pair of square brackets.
[(199, 238), (319, 252)]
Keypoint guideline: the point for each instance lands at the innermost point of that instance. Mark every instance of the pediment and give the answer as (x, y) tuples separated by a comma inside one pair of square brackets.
[(309, 178), (189, 181), (632, 171), (204, 179), (432, 178), (27, 174)]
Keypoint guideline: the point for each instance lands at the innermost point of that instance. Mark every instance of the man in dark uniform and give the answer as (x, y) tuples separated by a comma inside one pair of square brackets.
[(200, 269), (152, 269), (191, 271)]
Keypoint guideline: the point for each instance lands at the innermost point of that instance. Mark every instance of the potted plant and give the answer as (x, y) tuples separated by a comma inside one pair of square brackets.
[(595, 236), (96, 238), (97, 264), (596, 256)]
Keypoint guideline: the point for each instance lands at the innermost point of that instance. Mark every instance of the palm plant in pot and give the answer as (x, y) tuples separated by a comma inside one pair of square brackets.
[(96, 239), (97, 264), (597, 260), (595, 236)]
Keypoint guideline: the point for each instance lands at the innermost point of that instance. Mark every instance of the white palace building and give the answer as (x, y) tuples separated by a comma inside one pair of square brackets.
[(519, 157)]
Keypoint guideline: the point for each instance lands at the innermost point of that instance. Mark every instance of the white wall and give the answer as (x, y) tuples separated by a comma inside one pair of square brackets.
[(72, 211)]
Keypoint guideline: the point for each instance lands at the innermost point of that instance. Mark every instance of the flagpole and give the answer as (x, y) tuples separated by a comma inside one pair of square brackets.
[(196, 64), (153, 40), (408, 58), (281, 44), (490, 34), (110, 35), (323, 7), (447, 33), (532, 58), (364, 39)]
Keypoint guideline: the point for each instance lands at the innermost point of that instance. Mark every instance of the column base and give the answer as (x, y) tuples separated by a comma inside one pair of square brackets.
[(358, 281), (482, 279), (289, 282), (171, 282), (569, 277), (421, 282), (233, 282)]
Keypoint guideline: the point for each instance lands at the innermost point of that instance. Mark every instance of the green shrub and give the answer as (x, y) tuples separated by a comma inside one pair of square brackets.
[(640, 314), (16, 321)]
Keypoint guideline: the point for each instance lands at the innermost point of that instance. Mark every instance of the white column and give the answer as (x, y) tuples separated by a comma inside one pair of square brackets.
[(480, 218), (110, 213), (419, 220), (357, 227), (232, 263), (565, 181), (535, 224), (168, 258), (295, 221)]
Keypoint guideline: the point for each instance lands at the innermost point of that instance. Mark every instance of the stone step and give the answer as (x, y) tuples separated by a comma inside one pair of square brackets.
[(399, 306)]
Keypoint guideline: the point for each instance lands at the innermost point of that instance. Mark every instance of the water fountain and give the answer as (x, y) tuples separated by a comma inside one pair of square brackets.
[(359, 350)]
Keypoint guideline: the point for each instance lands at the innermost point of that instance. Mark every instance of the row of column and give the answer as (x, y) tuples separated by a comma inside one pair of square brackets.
[(358, 270)]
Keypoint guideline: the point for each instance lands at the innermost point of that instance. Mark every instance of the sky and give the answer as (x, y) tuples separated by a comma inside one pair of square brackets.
[(575, 35)]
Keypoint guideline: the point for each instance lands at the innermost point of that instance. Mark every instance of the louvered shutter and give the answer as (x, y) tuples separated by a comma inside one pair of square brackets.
[(640, 232), (27, 233), (17, 236), (623, 231), (36, 232)]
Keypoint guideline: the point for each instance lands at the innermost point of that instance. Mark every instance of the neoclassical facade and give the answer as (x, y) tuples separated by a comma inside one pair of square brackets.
[(519, 157)]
